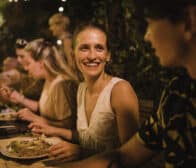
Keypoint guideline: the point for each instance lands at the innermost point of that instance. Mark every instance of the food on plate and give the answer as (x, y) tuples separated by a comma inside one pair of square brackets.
[(33, 147), (8, 115)]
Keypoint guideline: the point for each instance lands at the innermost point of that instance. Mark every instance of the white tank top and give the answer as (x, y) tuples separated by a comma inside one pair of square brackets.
[(101, 134)]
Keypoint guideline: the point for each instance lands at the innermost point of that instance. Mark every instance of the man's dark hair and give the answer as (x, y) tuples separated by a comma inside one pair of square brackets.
[(174, 10)]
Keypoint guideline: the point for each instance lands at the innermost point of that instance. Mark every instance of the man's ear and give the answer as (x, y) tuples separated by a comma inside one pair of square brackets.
[(191, 21)]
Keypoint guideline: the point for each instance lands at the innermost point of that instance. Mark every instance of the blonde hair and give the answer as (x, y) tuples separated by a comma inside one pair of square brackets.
[(54, 62), (60, 19)]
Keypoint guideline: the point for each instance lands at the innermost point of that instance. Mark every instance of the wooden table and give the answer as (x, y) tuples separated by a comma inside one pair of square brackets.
[(8, 163)]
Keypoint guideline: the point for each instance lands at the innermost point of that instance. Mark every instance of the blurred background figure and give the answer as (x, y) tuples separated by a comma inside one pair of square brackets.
[(59, 25), (57, 102), (10, 74), (14, 76), (10, 63), (29, 86), (19, 50)]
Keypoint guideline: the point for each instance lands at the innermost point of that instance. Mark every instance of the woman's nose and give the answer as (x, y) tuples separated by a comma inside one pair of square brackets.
[(92, 54), (26, 67), (50, 28)]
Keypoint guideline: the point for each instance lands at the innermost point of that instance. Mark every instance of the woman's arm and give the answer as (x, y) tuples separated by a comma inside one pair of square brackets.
[(68, 51), (66, 123), (43, 128), (28, 103), (15, 97), (132, 154), (66, 151), (126, 108)]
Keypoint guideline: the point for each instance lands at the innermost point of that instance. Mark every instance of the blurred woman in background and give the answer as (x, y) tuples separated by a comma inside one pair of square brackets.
[(58, 98), (59, 25), (18, 78)]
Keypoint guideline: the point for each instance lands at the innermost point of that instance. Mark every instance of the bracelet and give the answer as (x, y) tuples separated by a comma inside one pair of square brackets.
[(75, 137)]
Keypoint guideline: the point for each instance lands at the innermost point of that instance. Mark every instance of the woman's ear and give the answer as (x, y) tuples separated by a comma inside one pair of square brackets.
[(188, 35), (108, 57), (41, 62)]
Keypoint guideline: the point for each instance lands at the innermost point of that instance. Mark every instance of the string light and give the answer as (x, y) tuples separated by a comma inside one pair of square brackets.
[(59, 42), (16, 0), (61, 9)]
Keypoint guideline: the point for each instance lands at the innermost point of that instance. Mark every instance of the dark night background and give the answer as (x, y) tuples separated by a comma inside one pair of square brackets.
[(132, 58)]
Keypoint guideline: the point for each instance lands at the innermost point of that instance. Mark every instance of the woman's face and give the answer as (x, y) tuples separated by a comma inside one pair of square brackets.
[(34, 68), (167, 39), (56, 28), (21, 53), (91, 52)]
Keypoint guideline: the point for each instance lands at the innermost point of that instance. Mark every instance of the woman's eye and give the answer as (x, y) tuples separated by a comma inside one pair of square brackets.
[(83, 48), (26, 63), (99, 48)]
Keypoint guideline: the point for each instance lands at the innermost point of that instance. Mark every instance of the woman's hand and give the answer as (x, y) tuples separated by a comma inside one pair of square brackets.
[(65, 151), (28, 115), (42, 128), (9, 94), (5, 92)]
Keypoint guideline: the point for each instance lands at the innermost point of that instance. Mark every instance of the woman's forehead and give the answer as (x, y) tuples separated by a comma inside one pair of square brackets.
[(91, 34), (92, 30)]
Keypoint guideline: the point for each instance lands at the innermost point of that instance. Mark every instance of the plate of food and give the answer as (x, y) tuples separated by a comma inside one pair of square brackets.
[(8, 115), (28, 147)]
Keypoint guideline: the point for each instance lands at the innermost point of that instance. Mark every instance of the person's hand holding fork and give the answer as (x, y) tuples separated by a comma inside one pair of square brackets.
[(9, 94)]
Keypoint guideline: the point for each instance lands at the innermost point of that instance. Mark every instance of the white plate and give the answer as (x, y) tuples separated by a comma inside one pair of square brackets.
[(9, 153), (8, 115)]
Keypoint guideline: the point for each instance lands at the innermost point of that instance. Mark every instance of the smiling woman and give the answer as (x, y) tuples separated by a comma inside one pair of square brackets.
[(99, 110), (104, 121)]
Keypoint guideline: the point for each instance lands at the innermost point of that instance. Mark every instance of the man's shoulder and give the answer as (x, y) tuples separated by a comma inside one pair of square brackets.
[(182, 84)]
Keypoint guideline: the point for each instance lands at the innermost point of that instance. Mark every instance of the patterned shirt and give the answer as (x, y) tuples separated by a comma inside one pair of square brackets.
[(173, 127)]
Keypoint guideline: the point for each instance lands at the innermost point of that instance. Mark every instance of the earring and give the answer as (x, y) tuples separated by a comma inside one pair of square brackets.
[(108, 66), (108, 62), (188, 35)]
